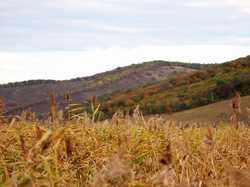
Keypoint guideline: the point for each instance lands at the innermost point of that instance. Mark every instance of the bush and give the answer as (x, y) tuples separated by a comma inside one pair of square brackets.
[(153, 108)]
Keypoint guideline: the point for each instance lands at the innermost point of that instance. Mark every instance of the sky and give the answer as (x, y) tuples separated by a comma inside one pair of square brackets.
[(63, 39)]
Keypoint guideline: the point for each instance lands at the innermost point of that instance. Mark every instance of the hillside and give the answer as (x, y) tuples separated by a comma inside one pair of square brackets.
[(186, 91), (211, 113), (34, 93)]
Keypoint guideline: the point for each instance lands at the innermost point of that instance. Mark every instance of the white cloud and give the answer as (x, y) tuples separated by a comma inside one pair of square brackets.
[(34, 25)]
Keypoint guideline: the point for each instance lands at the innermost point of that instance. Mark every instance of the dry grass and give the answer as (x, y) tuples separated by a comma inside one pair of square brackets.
[(123, 152), (2, 107), (2, 104), (213, 112), (53, 107)]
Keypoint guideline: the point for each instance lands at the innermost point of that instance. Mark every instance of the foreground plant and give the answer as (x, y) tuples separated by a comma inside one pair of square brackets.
[(124, 152)]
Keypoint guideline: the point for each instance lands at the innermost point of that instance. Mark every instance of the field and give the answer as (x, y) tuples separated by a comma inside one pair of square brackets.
[(130, 151), (212, 113)]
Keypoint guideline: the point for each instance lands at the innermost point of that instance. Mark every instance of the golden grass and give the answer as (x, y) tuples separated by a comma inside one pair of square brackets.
[(53, 107), (124, 152), (2, 108)]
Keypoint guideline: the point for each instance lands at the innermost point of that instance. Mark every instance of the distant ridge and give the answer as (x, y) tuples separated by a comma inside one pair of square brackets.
[(34, 93)]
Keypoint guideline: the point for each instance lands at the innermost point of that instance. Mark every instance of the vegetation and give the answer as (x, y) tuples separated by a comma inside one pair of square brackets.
[(77, 147), (26, 83), (130, 151), (73, 110), (2, 107), (33, 94), (183, 64), (209, 85), (53, 107)]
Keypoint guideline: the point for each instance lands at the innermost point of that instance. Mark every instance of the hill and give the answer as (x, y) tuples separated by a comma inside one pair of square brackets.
[(205, 86), (34, 93)]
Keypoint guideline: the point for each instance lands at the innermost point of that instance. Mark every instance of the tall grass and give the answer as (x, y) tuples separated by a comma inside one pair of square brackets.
[(130, 151), (53, 107), (236, 105), (2, 107)]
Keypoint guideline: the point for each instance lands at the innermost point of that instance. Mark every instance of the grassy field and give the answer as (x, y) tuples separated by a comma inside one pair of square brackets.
[(124, 152), (210, 113)]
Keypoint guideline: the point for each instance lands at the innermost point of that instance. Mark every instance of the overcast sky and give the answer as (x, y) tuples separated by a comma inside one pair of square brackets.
[(62, 39)]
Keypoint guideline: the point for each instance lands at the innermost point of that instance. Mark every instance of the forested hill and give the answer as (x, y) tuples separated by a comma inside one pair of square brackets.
[(208, 85), (34, 93)]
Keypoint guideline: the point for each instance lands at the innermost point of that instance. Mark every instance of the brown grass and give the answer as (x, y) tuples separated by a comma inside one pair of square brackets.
[(124, 152), (2, 108), (212, 113), (53, 107)]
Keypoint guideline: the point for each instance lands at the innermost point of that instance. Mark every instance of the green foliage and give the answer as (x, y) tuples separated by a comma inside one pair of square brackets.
[(220, 82), (93, 110), (73, 110), (27, 83), (153, 108), (104, 97), (137, 98)]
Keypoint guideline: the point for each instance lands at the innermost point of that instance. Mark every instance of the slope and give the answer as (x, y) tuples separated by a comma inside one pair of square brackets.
[(213, 112), (206, 86), (34, 93)]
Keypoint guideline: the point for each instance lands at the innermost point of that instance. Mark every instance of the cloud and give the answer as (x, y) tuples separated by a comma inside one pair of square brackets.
[(116, 33)]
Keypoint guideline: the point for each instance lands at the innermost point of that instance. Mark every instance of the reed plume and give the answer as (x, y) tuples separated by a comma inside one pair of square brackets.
[(167, 155), (41, 145), (68, 146), (53, 107), (236, 102), (248, 111), (67, 97), (167, 176), (2, 106), (209, 137), (236, 106), (93, 100), (39, 132), (23, 146), (44, 142)]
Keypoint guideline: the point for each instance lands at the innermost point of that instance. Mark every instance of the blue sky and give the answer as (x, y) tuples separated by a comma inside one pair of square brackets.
[(62, 39)]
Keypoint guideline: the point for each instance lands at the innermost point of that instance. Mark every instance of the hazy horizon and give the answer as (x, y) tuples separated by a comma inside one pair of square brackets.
[(93, 72), (64, 39)]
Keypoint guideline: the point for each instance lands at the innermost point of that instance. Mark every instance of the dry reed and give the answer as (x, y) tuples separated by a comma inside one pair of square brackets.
[(2, 109), (53, 107), (2, 105), (86, 154), (236, 106)]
